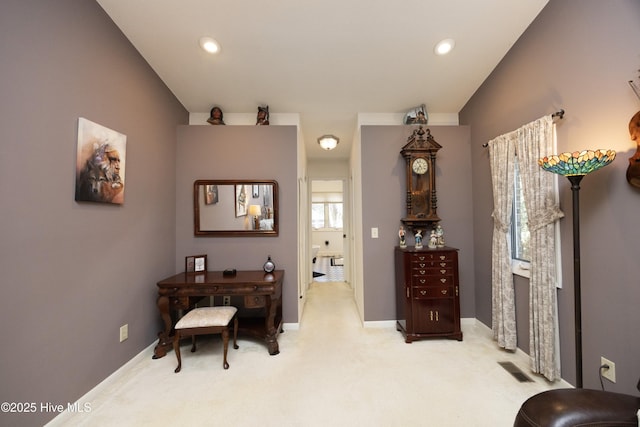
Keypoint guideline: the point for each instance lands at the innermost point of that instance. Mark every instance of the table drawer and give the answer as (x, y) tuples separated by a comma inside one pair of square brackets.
[(179, 303), (254, 301)]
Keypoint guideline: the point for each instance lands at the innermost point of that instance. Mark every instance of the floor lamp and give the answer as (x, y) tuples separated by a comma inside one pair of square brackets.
[(575, 166)]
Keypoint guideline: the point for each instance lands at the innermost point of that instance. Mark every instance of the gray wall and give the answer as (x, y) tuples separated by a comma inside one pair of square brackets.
[(241, 152), (73, 273), (577, 55), (384, 204)]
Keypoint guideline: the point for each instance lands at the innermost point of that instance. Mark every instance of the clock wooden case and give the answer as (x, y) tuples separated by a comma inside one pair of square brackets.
[(422, 201)]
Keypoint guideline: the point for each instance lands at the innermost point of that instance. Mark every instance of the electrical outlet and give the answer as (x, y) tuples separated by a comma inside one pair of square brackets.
[(374, 232), (124, 332), (226, 300), (609, 373)]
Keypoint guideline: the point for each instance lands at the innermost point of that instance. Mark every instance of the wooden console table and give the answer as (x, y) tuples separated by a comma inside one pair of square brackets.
[(260, 294)]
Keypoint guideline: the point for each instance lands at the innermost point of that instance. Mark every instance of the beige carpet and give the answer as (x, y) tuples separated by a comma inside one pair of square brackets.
[(331, 371)]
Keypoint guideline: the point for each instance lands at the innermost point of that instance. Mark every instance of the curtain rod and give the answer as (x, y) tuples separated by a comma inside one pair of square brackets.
[(559, 114)]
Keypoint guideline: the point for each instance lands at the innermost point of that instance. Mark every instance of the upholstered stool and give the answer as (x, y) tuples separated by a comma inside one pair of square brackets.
[(578, 407), (203, 321)]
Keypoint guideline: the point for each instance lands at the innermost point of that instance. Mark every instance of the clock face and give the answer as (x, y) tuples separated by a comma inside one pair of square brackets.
[(420, 166)]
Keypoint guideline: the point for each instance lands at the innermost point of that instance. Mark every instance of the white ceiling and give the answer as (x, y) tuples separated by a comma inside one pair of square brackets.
[(325, 60)]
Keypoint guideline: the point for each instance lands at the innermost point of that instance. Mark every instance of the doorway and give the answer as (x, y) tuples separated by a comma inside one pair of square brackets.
[(329, 231)]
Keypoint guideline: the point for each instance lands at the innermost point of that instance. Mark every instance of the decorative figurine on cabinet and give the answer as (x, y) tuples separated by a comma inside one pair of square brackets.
[(263, 116), (439, 236), (401, 235), (433, 240), (216, 116), (418, 237)]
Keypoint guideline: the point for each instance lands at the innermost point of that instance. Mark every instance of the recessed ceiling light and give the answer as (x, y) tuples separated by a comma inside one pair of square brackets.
[(209, 45), (445, 46)]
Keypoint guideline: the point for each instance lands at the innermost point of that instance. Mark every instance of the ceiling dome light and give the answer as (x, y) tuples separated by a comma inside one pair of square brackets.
[(445, 46), (328, 142), (209, 45)]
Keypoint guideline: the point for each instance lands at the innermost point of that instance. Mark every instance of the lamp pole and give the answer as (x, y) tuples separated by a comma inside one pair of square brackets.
[(575, 190)]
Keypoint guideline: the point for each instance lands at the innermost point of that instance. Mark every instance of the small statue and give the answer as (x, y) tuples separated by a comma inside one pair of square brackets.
[(216, 116), (633, 170), (418, 237), (440, 236), (433, 240), (401, 235), (263, 115)]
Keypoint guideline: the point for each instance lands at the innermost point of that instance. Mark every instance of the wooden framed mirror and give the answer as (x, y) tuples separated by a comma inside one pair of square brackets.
[(241, 207)]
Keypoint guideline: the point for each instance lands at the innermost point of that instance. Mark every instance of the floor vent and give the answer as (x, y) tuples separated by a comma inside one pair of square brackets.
[(515, 371)]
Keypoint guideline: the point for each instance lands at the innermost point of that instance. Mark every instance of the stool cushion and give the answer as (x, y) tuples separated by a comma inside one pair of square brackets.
[(203, 317), (578, 407)]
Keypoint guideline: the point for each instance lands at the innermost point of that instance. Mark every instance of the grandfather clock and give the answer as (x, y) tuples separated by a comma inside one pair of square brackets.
[(422, 201)]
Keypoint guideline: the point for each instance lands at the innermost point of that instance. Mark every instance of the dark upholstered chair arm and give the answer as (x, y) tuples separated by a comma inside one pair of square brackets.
[(578, 407)]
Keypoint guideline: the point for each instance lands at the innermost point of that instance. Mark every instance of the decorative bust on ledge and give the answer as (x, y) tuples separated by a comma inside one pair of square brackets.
[(263, 115), (216, 116)]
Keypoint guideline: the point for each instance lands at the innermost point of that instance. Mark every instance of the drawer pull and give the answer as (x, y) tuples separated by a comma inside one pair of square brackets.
[(443, 264), (422, 271), (421, 258), (422, 265), (407, 292), (443, 280), (423, 281), (423, 292), (443, 271), (442, 257), (444, 291)]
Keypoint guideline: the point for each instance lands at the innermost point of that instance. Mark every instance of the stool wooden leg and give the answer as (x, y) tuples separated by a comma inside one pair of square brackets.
[(235, 332), (176, 349), (193, 343), (225, 346)]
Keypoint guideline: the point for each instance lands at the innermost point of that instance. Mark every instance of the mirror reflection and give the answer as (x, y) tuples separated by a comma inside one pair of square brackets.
[(235, 208)]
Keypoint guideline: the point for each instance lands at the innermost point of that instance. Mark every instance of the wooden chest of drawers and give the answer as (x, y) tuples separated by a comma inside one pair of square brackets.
[(427, 293)]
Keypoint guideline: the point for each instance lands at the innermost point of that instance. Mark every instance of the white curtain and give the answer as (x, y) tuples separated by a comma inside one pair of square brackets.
[(527, 145), (503, 318), (536, 140)]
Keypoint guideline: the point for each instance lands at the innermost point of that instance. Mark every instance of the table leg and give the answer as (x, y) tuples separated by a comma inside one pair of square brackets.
[(164, 339), (273, 325)]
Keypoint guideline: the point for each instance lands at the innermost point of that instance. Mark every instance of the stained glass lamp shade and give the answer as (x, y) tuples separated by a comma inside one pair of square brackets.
[(575, 166), (578, 162)]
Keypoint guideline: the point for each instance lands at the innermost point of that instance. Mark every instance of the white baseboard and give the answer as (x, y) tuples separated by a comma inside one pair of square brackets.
[(380, 324)]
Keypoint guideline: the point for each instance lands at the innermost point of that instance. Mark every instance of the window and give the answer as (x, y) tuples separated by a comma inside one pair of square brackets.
[(520, 235), (326, 215), (520, 230)]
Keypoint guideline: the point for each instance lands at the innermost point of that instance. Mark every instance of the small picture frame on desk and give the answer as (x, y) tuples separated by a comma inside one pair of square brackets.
[(195, 264)]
